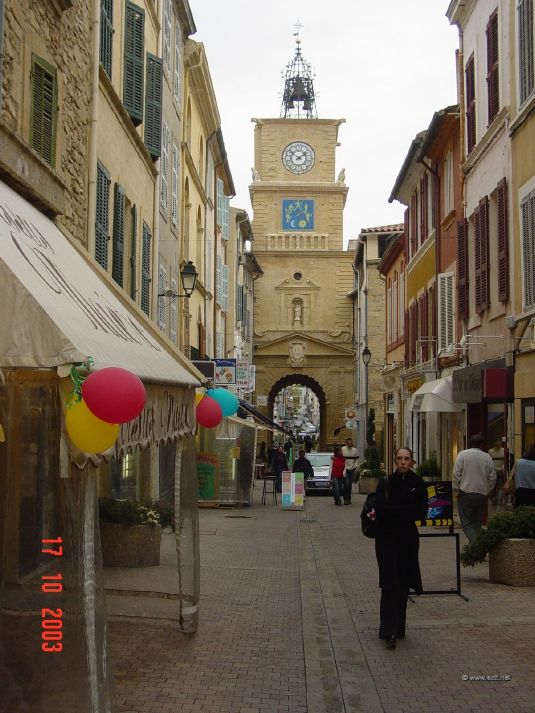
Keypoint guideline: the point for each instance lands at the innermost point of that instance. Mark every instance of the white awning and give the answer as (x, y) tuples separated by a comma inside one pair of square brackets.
[(434, 396), (57, 309)]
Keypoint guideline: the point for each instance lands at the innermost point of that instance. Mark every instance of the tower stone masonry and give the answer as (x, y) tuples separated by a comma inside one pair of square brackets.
[(303, 314)]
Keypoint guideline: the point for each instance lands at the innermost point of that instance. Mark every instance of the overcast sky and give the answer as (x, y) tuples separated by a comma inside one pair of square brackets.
[(385, 67)]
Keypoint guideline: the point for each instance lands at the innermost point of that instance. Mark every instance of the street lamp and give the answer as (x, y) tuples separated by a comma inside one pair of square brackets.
[(188, 277), (366, 358)]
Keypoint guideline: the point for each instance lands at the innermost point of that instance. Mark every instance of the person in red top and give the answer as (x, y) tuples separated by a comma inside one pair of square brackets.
[(337, 473)]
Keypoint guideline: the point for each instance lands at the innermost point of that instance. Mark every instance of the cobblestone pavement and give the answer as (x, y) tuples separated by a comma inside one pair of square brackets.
[(289, 611)]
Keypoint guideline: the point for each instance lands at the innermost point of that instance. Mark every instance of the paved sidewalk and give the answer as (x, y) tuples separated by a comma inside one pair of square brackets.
[(289, 611)]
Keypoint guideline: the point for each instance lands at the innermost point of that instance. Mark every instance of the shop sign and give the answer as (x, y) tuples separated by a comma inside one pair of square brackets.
[(413, 385), (225, 371), (242, 373), (467, 385), (261, 400)]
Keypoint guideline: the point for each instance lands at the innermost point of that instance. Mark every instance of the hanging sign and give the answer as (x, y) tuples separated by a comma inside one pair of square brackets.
[(242, 373), (225, 371)]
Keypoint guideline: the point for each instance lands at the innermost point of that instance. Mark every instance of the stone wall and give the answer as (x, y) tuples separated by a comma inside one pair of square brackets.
[(62, 38)]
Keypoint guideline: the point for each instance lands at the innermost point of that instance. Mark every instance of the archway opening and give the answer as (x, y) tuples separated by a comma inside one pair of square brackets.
[(298, 403)]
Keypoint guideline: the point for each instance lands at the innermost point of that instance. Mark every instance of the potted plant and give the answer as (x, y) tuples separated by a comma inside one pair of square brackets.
[(509, 539), (371, 470), (130, 532), (429, 470)]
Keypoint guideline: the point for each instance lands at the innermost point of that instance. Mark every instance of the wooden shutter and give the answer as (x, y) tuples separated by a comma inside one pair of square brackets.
[(174, 186), (173, 327), (224, 217), (218, 291), (406, 232), (424, 327), (503, 242), (462, 269), (493, 74), (424, 217), (470, 104), (153, 106), (106, 35), (167, 33), (133, 254), (164, 168), (162, 301), (477, 259), (43, 114), (447, 314), (102, 218), (118, 235), (528, 249), (525, 49), (145, 269), (133, 62), (219, 201), (413, 225), (239, 303), (224, 287), (178, 62), (484, 220)]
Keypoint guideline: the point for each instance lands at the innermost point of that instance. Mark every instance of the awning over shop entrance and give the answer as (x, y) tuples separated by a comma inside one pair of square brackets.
[(57, 309), (435, 397), (263, 419)]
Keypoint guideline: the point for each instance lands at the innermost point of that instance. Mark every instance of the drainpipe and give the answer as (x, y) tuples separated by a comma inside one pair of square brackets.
[(1, 50), (93, 126)]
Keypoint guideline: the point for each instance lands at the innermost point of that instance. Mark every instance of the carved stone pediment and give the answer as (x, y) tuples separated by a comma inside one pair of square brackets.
[(296, 352)]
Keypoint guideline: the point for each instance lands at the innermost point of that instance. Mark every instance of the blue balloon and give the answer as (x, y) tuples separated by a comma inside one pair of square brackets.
[(228, 402)]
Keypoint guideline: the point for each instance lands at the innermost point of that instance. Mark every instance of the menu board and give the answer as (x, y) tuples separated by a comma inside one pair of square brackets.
[(207, 476), (293, 490)]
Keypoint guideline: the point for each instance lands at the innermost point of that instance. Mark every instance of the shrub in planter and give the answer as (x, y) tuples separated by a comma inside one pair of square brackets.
[(130, 532), (519, 524), (430, 470)]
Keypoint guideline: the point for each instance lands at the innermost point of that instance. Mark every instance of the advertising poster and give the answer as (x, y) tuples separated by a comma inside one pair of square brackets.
[(207, 476), (293, 490), (242, 373), (225, 372), (440, 504)]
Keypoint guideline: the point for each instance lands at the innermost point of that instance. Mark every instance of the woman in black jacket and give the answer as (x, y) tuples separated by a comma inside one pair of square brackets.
[(401, 499)]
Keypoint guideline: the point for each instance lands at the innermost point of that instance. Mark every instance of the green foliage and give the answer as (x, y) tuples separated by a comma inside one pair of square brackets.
[(517, 524), (133, 512), (371, 466), (430, 468), (370, 430)]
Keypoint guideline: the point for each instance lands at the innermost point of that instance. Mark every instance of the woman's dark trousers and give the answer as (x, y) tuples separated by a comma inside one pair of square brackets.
[(393, 611)]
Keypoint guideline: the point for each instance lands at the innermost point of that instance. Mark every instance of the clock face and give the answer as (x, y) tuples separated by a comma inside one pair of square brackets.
[(298, 157)]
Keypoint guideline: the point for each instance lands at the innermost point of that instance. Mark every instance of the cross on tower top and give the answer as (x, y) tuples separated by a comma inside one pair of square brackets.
[(298, 26)]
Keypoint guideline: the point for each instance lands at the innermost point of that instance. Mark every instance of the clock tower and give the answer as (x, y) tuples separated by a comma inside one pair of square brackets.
[(303, 315)]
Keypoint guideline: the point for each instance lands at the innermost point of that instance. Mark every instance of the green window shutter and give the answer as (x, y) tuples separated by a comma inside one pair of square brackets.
[(224, 287), (224, 217), (118, 235), (145, 269), (239, 303), (153, 106), (219, 199), (43, 114), (133, 252), (106, 35), (102, 216), (133, 62), (218, 291)]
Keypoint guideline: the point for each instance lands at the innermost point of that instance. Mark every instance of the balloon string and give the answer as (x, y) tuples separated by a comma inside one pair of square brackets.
[(79, 373)]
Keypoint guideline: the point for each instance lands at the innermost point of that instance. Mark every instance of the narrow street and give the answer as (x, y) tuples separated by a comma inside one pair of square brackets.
[(289, 610)]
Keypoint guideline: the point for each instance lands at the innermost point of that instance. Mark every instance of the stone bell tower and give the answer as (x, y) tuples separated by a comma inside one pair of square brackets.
[(303, 315)]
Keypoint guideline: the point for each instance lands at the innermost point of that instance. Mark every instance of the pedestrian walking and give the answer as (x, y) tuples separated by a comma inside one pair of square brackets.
[(351, 455), (473, 479), (338, 464), (279, 464), (400, 500), (308, 443), (303, 465), (524, 476)]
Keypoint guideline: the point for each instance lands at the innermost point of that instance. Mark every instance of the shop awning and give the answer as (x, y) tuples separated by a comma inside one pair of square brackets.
[(57, 309), (435, 397), (263, 419)]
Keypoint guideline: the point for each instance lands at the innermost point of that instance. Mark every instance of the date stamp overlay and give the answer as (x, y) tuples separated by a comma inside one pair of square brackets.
[(52, 618)]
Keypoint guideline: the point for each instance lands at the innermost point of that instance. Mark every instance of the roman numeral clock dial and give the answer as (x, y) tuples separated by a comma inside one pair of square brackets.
[(298, 157)]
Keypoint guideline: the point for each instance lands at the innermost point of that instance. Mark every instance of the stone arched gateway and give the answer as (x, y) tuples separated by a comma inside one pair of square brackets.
[(326, 368), (312, 384)]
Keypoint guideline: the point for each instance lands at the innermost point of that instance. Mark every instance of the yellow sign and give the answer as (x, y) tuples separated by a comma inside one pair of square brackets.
[(235, 452)]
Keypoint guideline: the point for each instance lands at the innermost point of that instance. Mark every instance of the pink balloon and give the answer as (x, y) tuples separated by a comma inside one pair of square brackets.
[(209, 412), (114, 395)]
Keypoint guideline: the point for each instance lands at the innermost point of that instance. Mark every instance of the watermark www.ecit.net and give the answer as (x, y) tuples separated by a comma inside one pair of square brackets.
[(486, 677)]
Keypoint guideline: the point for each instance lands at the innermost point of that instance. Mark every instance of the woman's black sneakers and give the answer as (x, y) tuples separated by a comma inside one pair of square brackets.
[(390, 642)]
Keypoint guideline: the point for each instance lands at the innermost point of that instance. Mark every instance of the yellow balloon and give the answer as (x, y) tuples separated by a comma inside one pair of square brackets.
[(198, 398), (87, 432)]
